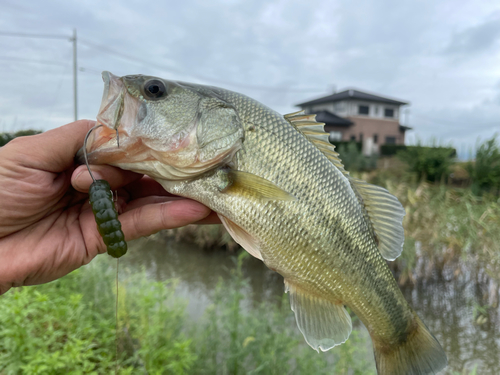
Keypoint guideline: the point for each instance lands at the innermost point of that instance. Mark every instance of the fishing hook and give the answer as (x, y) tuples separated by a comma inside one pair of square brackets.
[(85, 148)]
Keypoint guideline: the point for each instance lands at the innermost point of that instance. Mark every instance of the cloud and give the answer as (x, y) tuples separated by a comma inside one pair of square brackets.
[(476, 39), (393, 48)]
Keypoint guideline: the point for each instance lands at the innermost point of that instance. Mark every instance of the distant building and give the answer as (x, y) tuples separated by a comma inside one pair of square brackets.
[(359, 116)]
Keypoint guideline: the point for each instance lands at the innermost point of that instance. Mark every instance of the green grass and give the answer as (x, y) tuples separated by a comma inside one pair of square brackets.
[(68, 327)]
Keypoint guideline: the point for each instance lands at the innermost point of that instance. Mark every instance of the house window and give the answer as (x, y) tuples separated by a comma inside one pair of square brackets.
[(390, 140), (363, 109), (353, 137), (335, 136), (375, 138), (389, 112)]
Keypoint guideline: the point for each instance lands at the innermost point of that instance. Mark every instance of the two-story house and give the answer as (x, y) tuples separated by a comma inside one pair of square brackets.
[(359, 116)]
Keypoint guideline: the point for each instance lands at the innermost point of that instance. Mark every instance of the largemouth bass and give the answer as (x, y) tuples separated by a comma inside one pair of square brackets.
[(283, 194)]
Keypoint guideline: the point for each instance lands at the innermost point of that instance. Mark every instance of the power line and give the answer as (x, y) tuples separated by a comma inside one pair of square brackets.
[(73, 40), (58, 89), (42, 36), (194, 75), (30, 61), (151, 64)]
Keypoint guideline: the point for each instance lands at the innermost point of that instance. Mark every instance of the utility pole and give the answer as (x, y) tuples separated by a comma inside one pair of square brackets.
[(75, 65), (75, 76)]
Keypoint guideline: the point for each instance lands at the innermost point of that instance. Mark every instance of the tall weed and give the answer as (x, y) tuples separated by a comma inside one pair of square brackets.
[(485, 170)]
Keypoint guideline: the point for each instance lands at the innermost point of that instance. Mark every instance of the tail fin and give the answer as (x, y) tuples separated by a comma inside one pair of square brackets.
[(419, 354)]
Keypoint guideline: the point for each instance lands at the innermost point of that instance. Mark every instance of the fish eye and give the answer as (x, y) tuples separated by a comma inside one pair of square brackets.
[(155, 89)]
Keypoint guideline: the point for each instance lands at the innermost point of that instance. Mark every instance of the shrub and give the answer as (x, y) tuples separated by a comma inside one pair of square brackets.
[(354, 160), (391, 149), (428, 163), (485, 170)]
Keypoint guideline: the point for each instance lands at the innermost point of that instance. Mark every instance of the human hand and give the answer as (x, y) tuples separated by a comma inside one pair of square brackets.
[(47, 228)]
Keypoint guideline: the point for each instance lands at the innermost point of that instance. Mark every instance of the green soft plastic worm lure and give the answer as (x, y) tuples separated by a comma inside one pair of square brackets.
[(106, 216)]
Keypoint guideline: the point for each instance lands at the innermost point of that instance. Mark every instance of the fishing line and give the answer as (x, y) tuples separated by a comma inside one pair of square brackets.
[(103, 201), (116, 317)]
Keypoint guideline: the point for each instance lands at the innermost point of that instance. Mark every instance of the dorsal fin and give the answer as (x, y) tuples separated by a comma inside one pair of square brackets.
[(382, 210), (314, 131)]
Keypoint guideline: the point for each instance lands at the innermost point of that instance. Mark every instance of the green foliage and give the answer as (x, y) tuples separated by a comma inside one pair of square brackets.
[(151, 322), (354, 160), (466, 371), (428, 163), (50, 329), (339, 144), (391, 149), (7, 137), (68, 327), (485, 170)]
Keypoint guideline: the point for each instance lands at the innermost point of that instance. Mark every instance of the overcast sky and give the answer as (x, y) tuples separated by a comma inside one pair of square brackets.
[(441, 56)]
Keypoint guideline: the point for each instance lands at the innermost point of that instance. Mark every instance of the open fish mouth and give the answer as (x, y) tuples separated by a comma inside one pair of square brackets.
[(112, 103), (144, 129), (111, 142)]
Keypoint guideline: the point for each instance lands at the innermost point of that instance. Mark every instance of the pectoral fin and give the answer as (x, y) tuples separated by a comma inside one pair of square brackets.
[(245, 183), (242, 237), (323, 323)]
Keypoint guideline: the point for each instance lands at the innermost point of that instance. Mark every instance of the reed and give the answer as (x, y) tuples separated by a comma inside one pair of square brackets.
[(446, 228)]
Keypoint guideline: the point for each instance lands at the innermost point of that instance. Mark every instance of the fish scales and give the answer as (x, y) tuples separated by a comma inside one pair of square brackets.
[(284, 196), (278, 142)]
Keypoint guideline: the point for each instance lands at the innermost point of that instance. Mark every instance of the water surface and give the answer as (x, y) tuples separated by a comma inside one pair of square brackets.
[(455, 308)]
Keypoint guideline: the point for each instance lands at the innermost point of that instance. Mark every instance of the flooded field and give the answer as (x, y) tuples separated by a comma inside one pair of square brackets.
[(454, 307)]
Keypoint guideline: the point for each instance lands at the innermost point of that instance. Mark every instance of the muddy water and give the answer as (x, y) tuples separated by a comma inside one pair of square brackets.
[(454, 308)]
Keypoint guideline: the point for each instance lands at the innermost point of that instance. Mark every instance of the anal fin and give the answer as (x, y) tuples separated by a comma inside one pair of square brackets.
[(323, 323)]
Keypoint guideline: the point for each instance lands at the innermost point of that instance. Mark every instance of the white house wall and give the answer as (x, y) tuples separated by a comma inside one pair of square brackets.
[(348, 108)]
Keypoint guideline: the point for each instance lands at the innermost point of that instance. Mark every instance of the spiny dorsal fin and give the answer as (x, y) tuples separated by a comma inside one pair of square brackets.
[(382, 209), (314, 131)]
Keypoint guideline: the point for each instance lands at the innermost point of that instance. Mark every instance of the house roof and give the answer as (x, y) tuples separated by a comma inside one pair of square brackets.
[(331, 119), (404, 128), (352, 94)]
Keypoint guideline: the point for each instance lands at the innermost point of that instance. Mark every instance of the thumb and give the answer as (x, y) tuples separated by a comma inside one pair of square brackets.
[(53, 150)]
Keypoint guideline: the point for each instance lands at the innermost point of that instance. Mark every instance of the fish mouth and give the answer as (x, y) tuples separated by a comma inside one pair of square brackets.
[(112, 102), (111, 143)]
